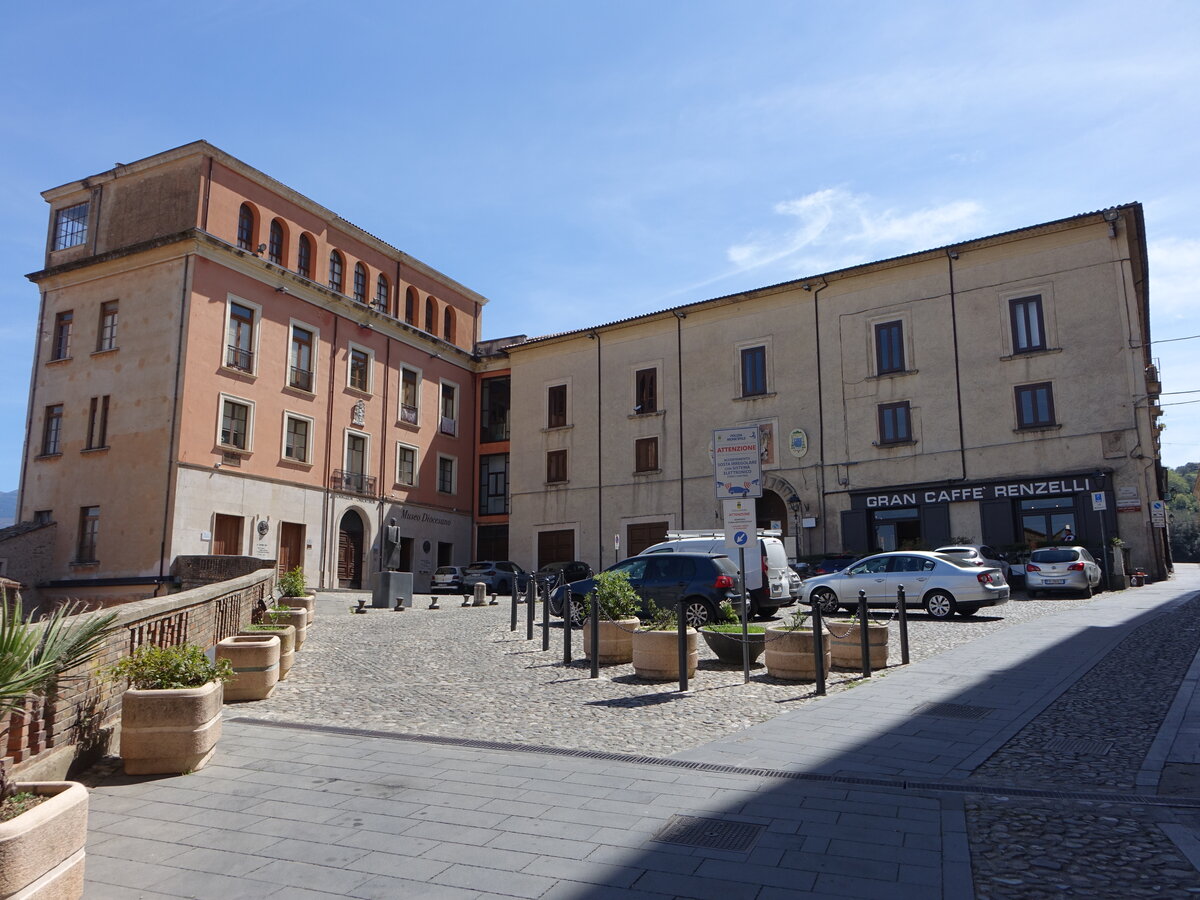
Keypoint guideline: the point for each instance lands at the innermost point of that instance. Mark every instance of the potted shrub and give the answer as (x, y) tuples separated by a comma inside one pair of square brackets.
[(724, 636), (619, 605), (293, 592), (282, 614), (656, 647), (789, 653), (43, 824), (171, 713), (255, 661), (287, 642)]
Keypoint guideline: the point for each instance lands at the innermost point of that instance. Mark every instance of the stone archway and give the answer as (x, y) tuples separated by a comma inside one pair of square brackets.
[(770, 509), (350, 551)]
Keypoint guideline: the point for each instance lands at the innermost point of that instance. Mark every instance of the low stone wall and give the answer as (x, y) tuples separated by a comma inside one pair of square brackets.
[(195, 571), (46, 737)]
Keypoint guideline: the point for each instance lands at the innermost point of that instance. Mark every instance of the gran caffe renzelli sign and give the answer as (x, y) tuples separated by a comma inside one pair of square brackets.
[(968, 493)]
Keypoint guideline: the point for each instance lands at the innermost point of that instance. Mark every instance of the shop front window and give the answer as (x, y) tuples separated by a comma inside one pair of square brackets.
[(1048, 521), (896, 529)]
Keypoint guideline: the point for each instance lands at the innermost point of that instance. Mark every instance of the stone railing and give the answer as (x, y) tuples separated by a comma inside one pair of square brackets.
[(45, 737)]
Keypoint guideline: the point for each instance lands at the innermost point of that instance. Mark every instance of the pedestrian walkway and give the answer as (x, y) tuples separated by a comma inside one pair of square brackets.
[(932, 780)]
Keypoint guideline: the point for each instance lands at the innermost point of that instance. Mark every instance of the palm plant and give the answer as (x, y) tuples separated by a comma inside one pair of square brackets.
[(34, 654)]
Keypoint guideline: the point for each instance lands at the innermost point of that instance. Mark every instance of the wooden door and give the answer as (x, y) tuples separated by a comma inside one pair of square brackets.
[(350, 552), (227, 535), (291, 546)]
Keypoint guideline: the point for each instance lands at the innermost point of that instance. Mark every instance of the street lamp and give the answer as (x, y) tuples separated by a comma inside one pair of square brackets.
[(795, 504), (1099, 477)]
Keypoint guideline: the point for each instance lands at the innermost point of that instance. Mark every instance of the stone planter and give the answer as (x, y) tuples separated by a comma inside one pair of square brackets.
[(255, 659), (308, 603), (616, 640), (728, 647), (790, 655), (42, 850), (287, 644), (656, 654), (846, 652), (298, 619), (170, 731)]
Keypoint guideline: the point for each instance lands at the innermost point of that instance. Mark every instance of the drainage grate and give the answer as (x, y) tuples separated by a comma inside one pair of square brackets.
[(714, 834), (953, 711), (1080, 746)]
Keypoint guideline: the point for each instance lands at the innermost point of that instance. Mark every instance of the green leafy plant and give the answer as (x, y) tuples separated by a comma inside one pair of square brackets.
[(661, 619), (726, 615), (278, 613), (617, 598), (735, 628), (165, 668), (796, 620), (292, 584), (34, 655)]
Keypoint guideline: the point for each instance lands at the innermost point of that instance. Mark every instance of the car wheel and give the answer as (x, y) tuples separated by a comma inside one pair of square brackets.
[(578, 610), (1087, 592), (827, 600), (697, 613), (939, 604), (1031, 594), (968, 609)]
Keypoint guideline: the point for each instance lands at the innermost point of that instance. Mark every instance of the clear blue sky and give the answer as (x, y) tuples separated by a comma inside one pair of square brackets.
[(580, 162)]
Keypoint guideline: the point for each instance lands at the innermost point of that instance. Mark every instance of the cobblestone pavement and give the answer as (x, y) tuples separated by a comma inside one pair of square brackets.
[(459, 671)]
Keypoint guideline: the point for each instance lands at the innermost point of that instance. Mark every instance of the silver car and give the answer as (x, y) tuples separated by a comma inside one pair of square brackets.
[(1061, 569), (976, 554), (942, 585)]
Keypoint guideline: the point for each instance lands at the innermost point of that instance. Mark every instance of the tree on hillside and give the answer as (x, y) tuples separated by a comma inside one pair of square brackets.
[(1184, 511)]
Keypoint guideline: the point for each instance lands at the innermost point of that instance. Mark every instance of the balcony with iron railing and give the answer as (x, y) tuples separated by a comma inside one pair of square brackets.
[(352, 482), (237, 358), (300, 379), (408, 415), (448, 426)]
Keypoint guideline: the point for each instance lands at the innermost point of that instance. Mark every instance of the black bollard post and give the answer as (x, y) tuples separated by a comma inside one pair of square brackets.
[(903, 610), (545, 619), (568, 616), (683, 654), (863, 637), (818, 647), (594, 649), (512, 622)]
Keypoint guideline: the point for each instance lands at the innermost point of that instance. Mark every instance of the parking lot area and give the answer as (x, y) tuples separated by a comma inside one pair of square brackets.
[(460, 672)]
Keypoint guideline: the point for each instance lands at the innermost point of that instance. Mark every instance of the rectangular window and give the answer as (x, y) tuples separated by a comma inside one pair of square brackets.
[(98, 423), (445, 483), (889, 347), (894, 423), (406, 465), (410, 392), (52, 430), (645, 454), (43, 516), (449, 419), (493, 409), (235, 424), (89, 529), (556, 466), (754, 371), (1035, 405), (70, 226), (300, 369), (297, 438), (106, 334), (645, 391), (1028, 326), (240, 338), (556, 406), (356, 453), (493, 484), (61, 348), (359, 375)]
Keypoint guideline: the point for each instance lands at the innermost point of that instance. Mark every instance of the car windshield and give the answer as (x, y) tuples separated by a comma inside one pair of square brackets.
[(957, 551), (446, 570), (1053, 556), (726, 565), (958, 561), (479, 567)]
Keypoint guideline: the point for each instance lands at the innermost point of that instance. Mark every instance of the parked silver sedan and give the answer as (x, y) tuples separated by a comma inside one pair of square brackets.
[(1061, 569), (941, 585)]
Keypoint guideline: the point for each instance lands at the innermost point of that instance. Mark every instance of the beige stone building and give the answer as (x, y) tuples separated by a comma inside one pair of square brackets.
[(980, 392)]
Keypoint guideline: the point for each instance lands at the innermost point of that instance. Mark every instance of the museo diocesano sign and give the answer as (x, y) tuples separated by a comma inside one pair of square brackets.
[(965, 492)]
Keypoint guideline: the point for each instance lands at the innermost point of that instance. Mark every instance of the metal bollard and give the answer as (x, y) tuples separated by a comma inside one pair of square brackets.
[(512, 619), (818, 647), (594, 614), (903, 610), (568, 615), (545, 620), (864, 639), (683, 654)]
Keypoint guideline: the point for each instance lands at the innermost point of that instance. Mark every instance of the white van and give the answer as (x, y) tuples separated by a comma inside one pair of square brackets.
[(776, 589)]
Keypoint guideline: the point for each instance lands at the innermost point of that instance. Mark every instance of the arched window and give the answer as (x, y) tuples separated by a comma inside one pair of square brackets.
[(448, 324), (246, 227), (430, 315), (275, 244), (360, 283), (381, 293), (410, 306), (304, 256), (335, 271)]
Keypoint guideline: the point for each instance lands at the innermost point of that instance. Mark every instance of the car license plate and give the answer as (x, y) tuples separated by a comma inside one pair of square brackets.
[(1054, 581)]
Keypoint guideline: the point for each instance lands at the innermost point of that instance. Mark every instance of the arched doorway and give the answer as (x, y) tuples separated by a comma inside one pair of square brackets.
[(771, 512), (350, 551)]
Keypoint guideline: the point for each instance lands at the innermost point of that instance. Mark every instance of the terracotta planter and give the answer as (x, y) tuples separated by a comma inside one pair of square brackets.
[(728, 647), (656, 654), (255, 659), (42, 850), (298, 619), (308, 603), (287, 644), (170, 731), (846, 652), (789, 655), (616, 640)]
